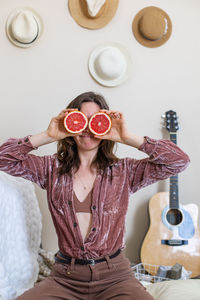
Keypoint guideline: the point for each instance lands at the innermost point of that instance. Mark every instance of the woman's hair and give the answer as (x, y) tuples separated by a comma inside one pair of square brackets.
[(67, 153)]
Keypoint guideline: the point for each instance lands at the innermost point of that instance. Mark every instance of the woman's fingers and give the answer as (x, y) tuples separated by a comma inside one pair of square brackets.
[(64, 112), (115, 114), (67, 110)]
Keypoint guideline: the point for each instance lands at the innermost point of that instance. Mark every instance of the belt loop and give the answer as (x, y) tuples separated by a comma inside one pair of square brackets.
[(72, 264), (108, 260)]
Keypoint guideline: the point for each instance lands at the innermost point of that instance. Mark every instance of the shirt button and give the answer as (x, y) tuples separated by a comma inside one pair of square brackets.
[(26, 140), (94, 229), (75, 224), (70, 202), (82, 248), (19, 142), (94, 207)]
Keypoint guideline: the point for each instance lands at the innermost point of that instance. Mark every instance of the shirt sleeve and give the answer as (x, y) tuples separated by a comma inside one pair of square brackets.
[(16, 161), (164, 159)]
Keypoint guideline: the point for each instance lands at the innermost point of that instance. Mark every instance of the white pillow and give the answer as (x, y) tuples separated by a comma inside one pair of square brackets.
[(175, 290)]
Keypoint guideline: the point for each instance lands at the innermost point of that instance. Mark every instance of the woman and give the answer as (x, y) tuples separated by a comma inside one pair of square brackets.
[(88, 189)]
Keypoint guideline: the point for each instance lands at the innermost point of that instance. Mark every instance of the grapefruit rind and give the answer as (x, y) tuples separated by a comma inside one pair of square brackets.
[(92, 119), (69, 115)]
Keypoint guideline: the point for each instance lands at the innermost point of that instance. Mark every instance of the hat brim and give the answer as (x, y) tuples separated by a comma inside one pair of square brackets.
[(114, 82), (9, 23), (78, 10), (140, 38)]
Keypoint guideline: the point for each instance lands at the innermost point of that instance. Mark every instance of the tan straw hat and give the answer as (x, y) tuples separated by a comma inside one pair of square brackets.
[(23, 27), (152, 27), (93, 14)]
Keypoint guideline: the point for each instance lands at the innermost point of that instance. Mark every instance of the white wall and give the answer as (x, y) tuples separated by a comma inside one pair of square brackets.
[(36, 83)]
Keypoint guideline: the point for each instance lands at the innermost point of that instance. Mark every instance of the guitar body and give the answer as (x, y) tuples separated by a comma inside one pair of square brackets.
[(163, 242)]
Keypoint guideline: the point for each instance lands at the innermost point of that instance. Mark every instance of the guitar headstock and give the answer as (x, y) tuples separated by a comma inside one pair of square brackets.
[(171, 121)]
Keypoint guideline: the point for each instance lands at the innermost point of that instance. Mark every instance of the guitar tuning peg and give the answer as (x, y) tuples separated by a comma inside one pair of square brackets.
[(163, 116)]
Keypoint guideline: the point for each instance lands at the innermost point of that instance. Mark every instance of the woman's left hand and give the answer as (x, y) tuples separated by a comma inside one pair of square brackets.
[(118, 132)]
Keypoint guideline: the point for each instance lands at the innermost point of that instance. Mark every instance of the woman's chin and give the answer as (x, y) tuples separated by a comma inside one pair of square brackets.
[(87, 142)]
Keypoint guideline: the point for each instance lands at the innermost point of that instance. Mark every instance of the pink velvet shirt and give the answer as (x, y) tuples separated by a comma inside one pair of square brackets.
[(110, 193)]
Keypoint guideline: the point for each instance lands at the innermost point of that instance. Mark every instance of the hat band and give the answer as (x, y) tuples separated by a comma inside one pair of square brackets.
[(33, 39)]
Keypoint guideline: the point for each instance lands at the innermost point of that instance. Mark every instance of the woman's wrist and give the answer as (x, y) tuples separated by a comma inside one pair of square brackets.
[(41, 139), (134, 140)]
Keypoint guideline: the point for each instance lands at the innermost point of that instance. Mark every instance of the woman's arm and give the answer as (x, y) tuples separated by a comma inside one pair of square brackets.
[(119, 131), (55, 131), (40, 139), (164, 157), (16, 160)]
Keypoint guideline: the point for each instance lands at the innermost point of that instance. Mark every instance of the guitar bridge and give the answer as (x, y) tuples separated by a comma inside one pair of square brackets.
[(174, 242)]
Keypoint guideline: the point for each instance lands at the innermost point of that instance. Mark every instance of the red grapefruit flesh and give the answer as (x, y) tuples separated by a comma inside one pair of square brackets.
[(75, 121), (100, 123)]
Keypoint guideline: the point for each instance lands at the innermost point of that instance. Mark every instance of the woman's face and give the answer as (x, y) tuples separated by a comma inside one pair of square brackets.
[(86, 141)]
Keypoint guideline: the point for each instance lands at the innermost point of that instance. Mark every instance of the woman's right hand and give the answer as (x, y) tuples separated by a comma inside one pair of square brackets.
[(56, 129)]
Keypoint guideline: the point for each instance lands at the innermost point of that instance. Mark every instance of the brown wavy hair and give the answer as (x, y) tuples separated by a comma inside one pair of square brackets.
[(67, 153)]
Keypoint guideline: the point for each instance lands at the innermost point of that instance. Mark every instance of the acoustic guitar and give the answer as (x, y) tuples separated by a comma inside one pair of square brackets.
[(173, 235)]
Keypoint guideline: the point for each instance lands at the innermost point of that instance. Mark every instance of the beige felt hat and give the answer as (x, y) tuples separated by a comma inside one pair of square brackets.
[(110, 64), (152, 27), (23, 27), (81, 13)]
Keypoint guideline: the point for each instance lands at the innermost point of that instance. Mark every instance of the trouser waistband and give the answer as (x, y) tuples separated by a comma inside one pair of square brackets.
[(67, 259)]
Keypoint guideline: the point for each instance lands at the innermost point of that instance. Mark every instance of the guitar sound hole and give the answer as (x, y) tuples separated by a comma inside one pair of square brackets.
[(174, 216)]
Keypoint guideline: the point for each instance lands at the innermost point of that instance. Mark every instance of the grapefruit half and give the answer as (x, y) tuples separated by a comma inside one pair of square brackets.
[(75, 121), (100, 123)]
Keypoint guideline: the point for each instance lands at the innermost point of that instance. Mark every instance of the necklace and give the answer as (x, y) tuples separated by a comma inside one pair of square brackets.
[(84, 187), (83, 184)]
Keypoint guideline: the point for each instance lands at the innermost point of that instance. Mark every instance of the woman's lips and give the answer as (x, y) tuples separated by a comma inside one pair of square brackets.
[(86, 136)]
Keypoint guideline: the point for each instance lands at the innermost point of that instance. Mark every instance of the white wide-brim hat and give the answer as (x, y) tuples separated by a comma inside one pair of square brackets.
[(24, 27), (110, 64)]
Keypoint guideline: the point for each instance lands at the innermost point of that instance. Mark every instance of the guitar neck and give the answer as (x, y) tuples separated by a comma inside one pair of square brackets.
[(173, 190), (173, 137)]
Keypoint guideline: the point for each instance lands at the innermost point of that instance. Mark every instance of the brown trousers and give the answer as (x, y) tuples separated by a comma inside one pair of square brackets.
[(112, 279)]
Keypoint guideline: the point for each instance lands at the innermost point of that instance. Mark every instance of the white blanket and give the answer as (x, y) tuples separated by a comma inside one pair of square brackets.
[(175, 290), (20, 236)]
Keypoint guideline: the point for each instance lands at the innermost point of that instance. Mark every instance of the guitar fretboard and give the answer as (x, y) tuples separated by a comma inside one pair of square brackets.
[(173, 201), (173, 137), (173, 191)]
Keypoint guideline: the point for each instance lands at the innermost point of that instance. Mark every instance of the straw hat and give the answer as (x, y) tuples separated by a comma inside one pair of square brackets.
[(83, 15), (23, 27), (152, 27), (110, 64)]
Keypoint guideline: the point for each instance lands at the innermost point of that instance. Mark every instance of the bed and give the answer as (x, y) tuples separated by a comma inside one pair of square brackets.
[(175, 290)]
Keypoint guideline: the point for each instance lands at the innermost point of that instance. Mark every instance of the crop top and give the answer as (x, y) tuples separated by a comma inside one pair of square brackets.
[(84, 206)]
